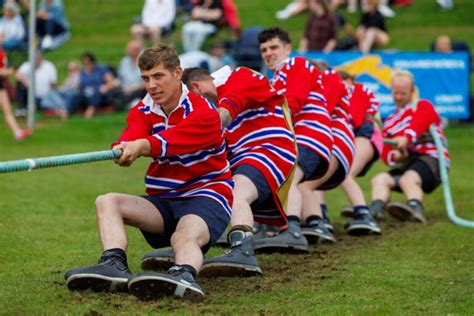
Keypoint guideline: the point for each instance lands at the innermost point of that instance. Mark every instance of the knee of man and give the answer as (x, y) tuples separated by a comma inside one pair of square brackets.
[(380, 179), (181, 237), (105, 200), (409, 178)]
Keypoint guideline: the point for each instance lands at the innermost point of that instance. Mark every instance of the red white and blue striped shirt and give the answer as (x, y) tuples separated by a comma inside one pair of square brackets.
[(297, 80), (414, 121), (187, 148), (260, 134), (363, 105)]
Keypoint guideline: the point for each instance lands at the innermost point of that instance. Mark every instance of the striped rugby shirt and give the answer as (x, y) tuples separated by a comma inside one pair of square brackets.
[(260, 135), (363, 105), (414, 121), (187, 149), (337, 98), (296, 78)]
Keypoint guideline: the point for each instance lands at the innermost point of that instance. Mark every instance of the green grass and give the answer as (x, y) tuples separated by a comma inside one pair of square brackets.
[(48, 224)]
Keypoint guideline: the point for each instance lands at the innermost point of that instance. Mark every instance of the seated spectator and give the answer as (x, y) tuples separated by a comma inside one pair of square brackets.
[(445, 4), (383, 7), (46, 77), (131, 86), (293, 8), (220, 58), (443, 44), (5, 104), (321, 28), (60, 100), (206, 18), (231, 16), (95, 86), (195, 58), (52, 25), (371, 31), (157, 19), (247, 49), (12, 27)]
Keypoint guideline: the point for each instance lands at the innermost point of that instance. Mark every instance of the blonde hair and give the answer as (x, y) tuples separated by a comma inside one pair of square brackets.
[(399, 73)]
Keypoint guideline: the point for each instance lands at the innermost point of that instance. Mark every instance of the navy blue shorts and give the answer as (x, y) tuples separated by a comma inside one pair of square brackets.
[(427, 168), (263, 189), (312, 164), (172, 210), (367, 130)]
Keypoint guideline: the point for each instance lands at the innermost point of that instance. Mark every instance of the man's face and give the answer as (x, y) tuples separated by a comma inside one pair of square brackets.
[(274, 52), (402, 91), (206, 88), (163, 85)]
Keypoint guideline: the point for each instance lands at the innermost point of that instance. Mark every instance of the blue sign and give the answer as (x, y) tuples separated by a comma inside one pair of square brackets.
[(440, 78)]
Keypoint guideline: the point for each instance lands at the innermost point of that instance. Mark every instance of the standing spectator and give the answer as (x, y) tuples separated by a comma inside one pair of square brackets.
[(12, 27), (60, 101), (132, 86), (157, 18), (5, 104), (321, 28), (95, 85), (52, 25), (206, 16), (371, 30), (46, 77)]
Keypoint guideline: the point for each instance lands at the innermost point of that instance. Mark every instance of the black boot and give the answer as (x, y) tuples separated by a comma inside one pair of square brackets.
[(240, 260), (111, 274), (290, 240)]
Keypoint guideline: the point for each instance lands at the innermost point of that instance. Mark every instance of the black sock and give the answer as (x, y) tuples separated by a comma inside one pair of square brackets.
[(415, 202), (293, 218), (377, 205), (188, 268), (116, 253), (311, 218), (325, 210)]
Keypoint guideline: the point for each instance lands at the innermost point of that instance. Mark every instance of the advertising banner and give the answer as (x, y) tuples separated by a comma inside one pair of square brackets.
[(441, 78)]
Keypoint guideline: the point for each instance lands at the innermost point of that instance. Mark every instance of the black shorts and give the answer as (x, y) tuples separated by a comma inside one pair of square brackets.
[(425, 166), (335, 180), (263, 189), (172, 210), (312, 164), (366, 130)]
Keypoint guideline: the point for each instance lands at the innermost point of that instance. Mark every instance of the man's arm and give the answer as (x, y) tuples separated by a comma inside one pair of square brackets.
[(132, 150), (201, 130), (225, 117)]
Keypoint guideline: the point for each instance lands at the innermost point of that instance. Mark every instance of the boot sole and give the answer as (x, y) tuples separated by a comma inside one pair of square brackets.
[(271, 248), (314, 238), (347, 212), (363, 230), (96, 283), (217, 269), (155, 287), (157, 264), (404, 213)]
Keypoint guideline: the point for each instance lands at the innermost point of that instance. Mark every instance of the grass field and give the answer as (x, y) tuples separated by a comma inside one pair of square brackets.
[(48, 225)]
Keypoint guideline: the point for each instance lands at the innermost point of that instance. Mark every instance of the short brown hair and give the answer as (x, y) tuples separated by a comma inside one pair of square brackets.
[(158, 54), (195, 74)]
